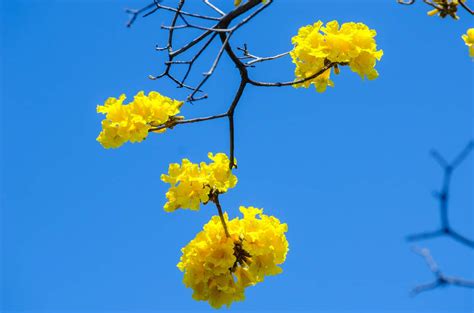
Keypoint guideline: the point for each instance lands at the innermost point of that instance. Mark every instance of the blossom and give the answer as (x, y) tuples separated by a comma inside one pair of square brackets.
[(219, 268), (444, 8), (318, 47), (133, 121), (192, 184), (469, 40)]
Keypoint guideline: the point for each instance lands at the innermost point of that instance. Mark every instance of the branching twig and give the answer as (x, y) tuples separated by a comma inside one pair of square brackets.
[(443, 197), (225, 26), (135, 13), (446, 229), (448, 7), (441, 280), (256, 59)]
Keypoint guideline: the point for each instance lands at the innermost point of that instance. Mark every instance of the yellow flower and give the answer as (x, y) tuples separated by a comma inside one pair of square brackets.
[(317, 46), (469, 41), (191, 184), (444, 8), (218, 268), (132, 122)]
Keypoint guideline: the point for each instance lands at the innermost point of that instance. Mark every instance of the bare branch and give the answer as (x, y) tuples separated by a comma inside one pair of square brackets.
[(443, 198), (441, 280), (214, 7), (257, 59), (222, 29), (407, 2), (204, 17), (468, 9), (295, 82), (463, 155), (135, 13), (190, 121)]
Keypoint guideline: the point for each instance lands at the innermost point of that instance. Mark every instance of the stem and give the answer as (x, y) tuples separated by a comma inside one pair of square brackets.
[(190, 121), (215, 199), (230, 114)]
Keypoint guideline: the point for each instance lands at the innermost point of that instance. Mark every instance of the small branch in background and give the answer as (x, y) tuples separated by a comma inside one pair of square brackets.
[(135, 13), (446, 230), (441, 280), (446, 7), (443, 197), (468, 9)]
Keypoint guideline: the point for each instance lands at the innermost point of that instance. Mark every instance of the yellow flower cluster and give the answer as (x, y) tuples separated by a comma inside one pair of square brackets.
[(444, 8), (219, 268), (469, 40), (132, 121), (317, 46), (192, 184)]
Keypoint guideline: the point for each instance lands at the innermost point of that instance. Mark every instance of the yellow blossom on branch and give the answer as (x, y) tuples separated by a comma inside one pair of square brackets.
[(317, 46), (469, 41), (133, 121), (192, 184), (445, 8), (219, 268)]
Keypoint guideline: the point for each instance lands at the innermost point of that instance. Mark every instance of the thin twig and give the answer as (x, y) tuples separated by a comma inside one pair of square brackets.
[(468, 9), (441, 280), (212, 6), (257, 59), (200, 16), (443, 197), (135, 13), (189, 121), (214, 197), (295, 82)]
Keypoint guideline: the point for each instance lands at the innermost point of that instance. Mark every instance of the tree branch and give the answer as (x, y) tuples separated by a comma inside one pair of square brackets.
[(257, 59), (443, 197), (214, 197), (441, 280), (295, 82), (224, 31), (190, 121)]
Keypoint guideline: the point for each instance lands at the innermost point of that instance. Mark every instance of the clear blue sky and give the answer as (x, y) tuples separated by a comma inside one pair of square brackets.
[(83, 228)]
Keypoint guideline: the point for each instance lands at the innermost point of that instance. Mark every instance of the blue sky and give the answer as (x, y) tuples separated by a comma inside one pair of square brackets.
[(83, 228)]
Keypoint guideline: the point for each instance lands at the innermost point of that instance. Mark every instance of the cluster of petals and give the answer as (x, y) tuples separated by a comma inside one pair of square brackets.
[(318, 46), (133, 121), (445, 8), (209, 260), (192, 184), (469, 40)]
